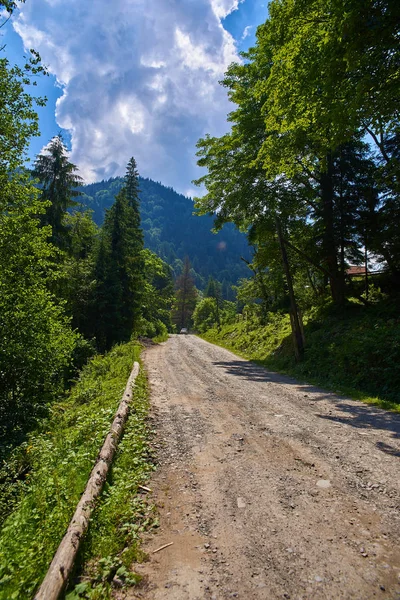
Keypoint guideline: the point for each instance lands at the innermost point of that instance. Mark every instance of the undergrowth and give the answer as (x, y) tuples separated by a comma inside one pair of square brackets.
[(113, 540), (58, 460), (355, 350)]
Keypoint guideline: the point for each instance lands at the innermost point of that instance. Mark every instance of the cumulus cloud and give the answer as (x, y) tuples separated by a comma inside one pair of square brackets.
[(222, 8), (139, 78)]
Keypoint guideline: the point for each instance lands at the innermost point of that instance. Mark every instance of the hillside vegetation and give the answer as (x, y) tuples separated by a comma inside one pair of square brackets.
[(356, 351)]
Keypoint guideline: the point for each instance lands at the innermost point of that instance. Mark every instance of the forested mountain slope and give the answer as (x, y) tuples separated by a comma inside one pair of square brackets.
[(172, 231)]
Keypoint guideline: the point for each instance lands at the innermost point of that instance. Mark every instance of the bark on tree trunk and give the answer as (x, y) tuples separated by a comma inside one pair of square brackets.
[(298, 339), (366, 272), (63, 561), (336, 279)]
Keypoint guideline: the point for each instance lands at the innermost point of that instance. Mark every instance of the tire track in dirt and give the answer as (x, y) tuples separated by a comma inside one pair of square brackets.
[(266, 487)]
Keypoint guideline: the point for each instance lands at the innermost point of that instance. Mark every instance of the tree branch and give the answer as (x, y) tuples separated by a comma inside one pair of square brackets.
[(378, 142), (308, 259)]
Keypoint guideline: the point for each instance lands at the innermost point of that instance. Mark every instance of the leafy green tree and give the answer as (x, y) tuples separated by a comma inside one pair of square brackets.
[(158, 295), (333, 76), (205, 315), (19, 120), (58, 179), (185, 297), (214, 290), (36, 341), (292, 159), (238, 188), (76, 281), (334, 71)]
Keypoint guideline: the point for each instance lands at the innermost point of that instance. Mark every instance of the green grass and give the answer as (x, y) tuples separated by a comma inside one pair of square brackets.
[(355, 351), (113, 540), (60, 459)]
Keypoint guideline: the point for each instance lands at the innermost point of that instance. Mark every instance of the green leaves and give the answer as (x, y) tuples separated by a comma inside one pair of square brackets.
[(36, 342), (119, 273), (61, 455), (306, 97)]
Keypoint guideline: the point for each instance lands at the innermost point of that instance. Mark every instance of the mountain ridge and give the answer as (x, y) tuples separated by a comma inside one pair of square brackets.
[(172, 231)]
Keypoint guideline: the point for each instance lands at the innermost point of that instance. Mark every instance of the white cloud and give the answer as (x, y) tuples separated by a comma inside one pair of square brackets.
[(222, 8), (247, 31), (139, 78)]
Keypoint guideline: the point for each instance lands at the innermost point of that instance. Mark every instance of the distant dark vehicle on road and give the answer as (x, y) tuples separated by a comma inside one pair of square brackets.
[(183, 330)]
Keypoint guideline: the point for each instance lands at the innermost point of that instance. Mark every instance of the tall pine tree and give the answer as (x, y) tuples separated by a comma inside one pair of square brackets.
[(58, 179), (119, 267)]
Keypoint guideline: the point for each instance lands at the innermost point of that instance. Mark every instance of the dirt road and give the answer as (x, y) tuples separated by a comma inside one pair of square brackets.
[(266, 487)]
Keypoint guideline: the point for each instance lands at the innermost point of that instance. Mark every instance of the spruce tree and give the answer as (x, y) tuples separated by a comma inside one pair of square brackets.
[(132, 185), (119, 268), (137, 241), (209, 292), (58, 179)]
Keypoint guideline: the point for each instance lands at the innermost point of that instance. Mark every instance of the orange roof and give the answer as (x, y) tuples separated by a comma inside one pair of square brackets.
[(355, 270)]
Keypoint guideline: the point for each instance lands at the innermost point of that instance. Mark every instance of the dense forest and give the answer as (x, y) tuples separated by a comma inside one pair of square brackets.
[(172, 231)]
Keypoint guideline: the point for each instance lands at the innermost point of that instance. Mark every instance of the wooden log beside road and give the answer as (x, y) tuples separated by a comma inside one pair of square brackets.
[(63, 561)]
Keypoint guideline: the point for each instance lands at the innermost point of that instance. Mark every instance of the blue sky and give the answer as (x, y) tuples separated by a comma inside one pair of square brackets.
[(134, 78)]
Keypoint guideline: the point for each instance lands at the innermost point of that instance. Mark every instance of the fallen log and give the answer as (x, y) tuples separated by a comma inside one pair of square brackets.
[(63, 561)]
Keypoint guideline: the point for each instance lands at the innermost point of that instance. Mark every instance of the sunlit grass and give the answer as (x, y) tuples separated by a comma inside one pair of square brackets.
[(356, 352), (61, 457)]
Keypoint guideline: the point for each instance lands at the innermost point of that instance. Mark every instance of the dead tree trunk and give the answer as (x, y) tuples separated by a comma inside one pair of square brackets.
[(63, 561)]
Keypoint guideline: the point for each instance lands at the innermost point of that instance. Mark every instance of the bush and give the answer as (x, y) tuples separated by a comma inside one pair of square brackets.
[(205, 314), (36, 352)]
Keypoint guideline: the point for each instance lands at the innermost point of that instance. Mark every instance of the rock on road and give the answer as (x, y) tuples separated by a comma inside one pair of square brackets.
[(267, 488)]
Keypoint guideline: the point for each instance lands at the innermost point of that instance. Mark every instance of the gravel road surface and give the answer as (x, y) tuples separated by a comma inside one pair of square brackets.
[(267, 488)]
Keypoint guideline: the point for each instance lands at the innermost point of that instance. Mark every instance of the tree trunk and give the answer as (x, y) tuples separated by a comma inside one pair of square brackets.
[(366, 272), (336, 279), (298, 339)]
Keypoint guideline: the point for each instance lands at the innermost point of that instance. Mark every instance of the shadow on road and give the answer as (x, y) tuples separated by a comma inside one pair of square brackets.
[(358, 415), (249, 370), (362, 416), (388, 449)]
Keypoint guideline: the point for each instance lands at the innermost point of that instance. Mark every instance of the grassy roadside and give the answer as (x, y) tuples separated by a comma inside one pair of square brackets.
[(60, 458), (355, 352)]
